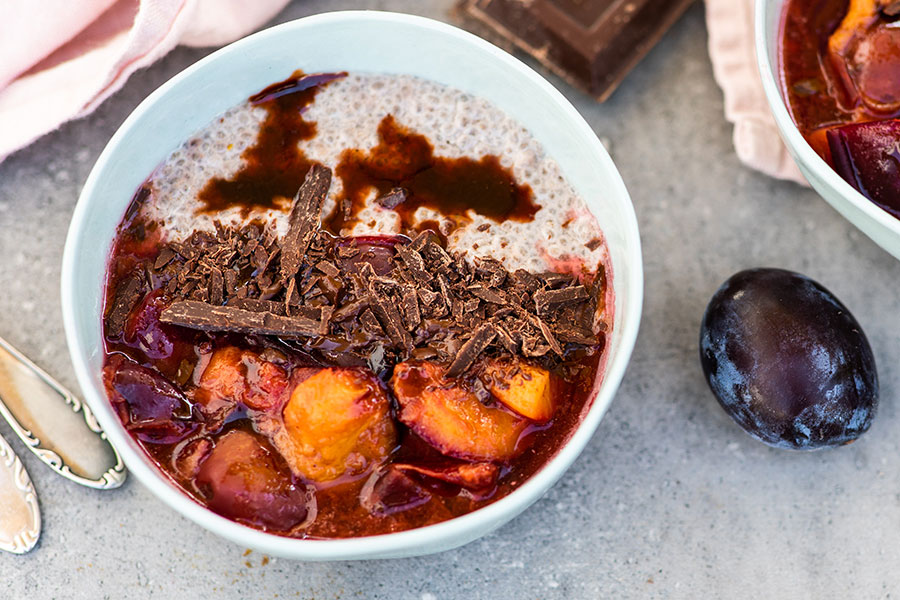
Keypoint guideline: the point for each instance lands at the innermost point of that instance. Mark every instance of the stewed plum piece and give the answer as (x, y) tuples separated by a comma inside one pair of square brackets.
[(864, 55), (150, 405), (236, 375), (477, 476), (244, 480), (788, 361), (390, 490), (867, 156)]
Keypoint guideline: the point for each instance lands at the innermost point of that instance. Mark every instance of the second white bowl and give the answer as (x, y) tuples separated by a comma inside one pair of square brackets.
[(876, 223)]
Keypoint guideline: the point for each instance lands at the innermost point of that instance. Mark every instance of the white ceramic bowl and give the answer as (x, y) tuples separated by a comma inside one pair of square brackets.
[(876, 223), (354, 41)]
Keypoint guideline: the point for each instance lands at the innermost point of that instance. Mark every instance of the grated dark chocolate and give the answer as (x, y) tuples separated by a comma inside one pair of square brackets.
[(383, 300)]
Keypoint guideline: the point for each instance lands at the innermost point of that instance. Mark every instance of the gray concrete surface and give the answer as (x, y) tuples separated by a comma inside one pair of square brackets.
[(669, 500)]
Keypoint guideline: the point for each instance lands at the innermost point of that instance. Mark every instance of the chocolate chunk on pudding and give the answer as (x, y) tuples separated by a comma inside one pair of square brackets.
[(304, 218)]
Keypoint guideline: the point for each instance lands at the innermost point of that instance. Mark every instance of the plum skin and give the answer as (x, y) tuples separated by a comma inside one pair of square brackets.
[(787, 361)]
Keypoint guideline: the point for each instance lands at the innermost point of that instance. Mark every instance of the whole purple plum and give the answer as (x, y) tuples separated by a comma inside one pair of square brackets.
[(788, 361)]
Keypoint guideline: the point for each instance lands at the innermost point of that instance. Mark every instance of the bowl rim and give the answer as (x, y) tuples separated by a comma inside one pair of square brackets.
[(802, 151), (432, 538)]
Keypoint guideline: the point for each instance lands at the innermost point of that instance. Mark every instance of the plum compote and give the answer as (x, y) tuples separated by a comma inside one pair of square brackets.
[(356, 398)]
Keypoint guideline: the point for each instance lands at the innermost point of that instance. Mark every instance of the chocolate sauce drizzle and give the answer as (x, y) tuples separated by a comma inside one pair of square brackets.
[(274, 167), (452, 186)]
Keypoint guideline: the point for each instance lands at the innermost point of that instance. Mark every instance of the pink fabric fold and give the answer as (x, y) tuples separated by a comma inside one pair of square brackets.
[(59, 59), (731, 48)]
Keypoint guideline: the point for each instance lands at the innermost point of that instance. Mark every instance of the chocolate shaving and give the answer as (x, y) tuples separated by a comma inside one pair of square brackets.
[(310, 285), (574, 334), (470, 351), (304, 218), (184, 250), (128, 294), (370, 323), (548, 335), (532, 349), (428, 297), (419, 242), (494, 270), (487, 294), (311, 312), (390, 320), (410, 305), (502, 311), (385, 310), (414, 262), (551, 279), (350, 310), (392, 199), (328, 268), (444, 289), (165, 257), (425, 353), (507, 340), (290, 295), (471, 305), (230, 281), (456, 309), (437, 256), (260, 258), (207, 317), (544, 299), (325, 319), (216, 286)]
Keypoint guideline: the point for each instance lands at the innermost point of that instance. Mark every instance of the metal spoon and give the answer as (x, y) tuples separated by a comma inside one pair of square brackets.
[(20, 517), (70, 442)]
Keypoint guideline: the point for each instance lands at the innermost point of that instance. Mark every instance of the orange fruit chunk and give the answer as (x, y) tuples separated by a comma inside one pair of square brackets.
[(235, 375), (524, 388), (336, 423), (451, 418)]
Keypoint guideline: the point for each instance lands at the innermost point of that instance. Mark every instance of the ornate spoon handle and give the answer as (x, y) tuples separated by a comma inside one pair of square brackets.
[(70, 442), (20, 517)]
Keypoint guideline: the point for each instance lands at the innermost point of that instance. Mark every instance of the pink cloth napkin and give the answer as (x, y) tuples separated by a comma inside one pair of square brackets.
[(731, 48), (59, 59)]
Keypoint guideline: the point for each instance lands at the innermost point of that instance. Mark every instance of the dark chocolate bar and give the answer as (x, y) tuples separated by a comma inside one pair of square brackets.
[(590, 43)]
